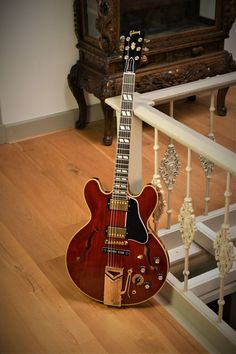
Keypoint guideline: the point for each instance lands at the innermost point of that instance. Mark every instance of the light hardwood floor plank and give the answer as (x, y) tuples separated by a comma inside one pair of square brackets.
[(39, 317)]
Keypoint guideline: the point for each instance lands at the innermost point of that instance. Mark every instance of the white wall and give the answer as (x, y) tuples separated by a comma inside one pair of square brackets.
[(230, 43), (37, 50)]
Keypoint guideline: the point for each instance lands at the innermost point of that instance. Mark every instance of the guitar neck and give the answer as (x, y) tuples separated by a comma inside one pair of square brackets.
[(120, 185)]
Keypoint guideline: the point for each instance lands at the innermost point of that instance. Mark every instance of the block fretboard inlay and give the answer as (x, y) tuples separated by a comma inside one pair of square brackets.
[(123, 142)]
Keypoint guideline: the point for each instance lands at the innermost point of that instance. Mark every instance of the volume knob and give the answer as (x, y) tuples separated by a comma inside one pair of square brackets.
[(142, 269), (147, 285), (156, 260)]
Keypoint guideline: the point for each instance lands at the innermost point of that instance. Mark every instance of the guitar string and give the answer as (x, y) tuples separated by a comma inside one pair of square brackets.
[(114, 213), (131, 81), (124, 150), (114, 259)]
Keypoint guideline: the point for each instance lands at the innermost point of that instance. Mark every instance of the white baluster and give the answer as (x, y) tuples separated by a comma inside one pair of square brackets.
[(212, 116), (156, 181), (187, 222), (206, 164), (169, 169), (224, 249)]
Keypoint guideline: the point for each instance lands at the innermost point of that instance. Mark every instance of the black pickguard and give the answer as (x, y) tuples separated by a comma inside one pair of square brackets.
[(135, 228)]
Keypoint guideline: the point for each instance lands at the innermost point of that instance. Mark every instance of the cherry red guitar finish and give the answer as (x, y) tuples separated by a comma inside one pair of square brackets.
[(116, 258), (139, 255)]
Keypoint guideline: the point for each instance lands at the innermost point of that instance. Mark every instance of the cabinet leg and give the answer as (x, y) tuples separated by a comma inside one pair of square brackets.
[(108, 123), (82, 119), (79, 96), (221, 108)]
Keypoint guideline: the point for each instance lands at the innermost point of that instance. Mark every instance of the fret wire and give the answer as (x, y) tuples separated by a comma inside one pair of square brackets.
[(123, 141)]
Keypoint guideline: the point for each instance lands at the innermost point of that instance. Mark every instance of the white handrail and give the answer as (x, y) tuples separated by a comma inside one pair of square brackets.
[(211, 150), (221, 156), (191, 88)]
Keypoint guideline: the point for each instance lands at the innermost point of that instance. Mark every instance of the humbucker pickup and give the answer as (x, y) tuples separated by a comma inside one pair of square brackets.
[(117, 204), (116, 232)]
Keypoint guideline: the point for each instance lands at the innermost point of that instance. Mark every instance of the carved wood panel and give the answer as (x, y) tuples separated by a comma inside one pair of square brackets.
[(173, 60)]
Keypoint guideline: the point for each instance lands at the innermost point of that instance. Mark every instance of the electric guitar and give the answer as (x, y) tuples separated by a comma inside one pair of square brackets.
[(116, 258)]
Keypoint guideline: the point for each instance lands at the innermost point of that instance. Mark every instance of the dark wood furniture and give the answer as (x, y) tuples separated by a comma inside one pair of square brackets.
[(186, 44)]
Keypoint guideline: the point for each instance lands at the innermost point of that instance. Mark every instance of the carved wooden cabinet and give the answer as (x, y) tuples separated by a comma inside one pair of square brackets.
[(186, 44)]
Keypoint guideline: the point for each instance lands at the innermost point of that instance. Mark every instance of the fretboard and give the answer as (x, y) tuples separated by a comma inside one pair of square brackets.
[(120, 184)]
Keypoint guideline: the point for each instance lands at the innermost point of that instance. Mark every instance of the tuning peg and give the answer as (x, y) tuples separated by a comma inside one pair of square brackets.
[(122, 47), (146, 49), (146, 40), (122, 39), (144, 58)]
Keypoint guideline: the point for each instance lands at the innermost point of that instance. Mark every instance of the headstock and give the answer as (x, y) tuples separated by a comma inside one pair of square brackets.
[(132, 47)]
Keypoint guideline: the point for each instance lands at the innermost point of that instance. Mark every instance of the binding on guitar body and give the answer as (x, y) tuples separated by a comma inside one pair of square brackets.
[(116, 258)]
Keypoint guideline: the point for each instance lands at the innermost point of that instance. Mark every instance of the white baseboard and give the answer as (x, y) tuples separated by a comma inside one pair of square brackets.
[(45, 125), (2, 134)]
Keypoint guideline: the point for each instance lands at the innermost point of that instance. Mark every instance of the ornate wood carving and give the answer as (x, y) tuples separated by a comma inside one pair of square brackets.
[(107, 11), (185, 73), (187, 229), (187, 222), (228, 15), (224, 250), (172, 61), (170, 165)]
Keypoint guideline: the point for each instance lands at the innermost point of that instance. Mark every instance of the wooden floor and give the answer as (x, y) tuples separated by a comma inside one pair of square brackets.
[(41, 207)]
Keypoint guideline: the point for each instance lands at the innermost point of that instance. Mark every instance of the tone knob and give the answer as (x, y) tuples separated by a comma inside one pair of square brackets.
[(147, 285)]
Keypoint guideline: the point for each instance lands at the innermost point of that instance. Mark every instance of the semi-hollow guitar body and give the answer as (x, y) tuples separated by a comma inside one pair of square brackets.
[(116, 258)]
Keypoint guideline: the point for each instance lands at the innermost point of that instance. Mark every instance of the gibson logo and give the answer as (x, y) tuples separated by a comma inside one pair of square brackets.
[(134, 32)]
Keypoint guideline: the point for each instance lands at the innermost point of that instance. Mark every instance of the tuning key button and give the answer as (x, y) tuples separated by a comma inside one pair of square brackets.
[(160, 276), (147, 285), (144, 58), (156, 260)]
